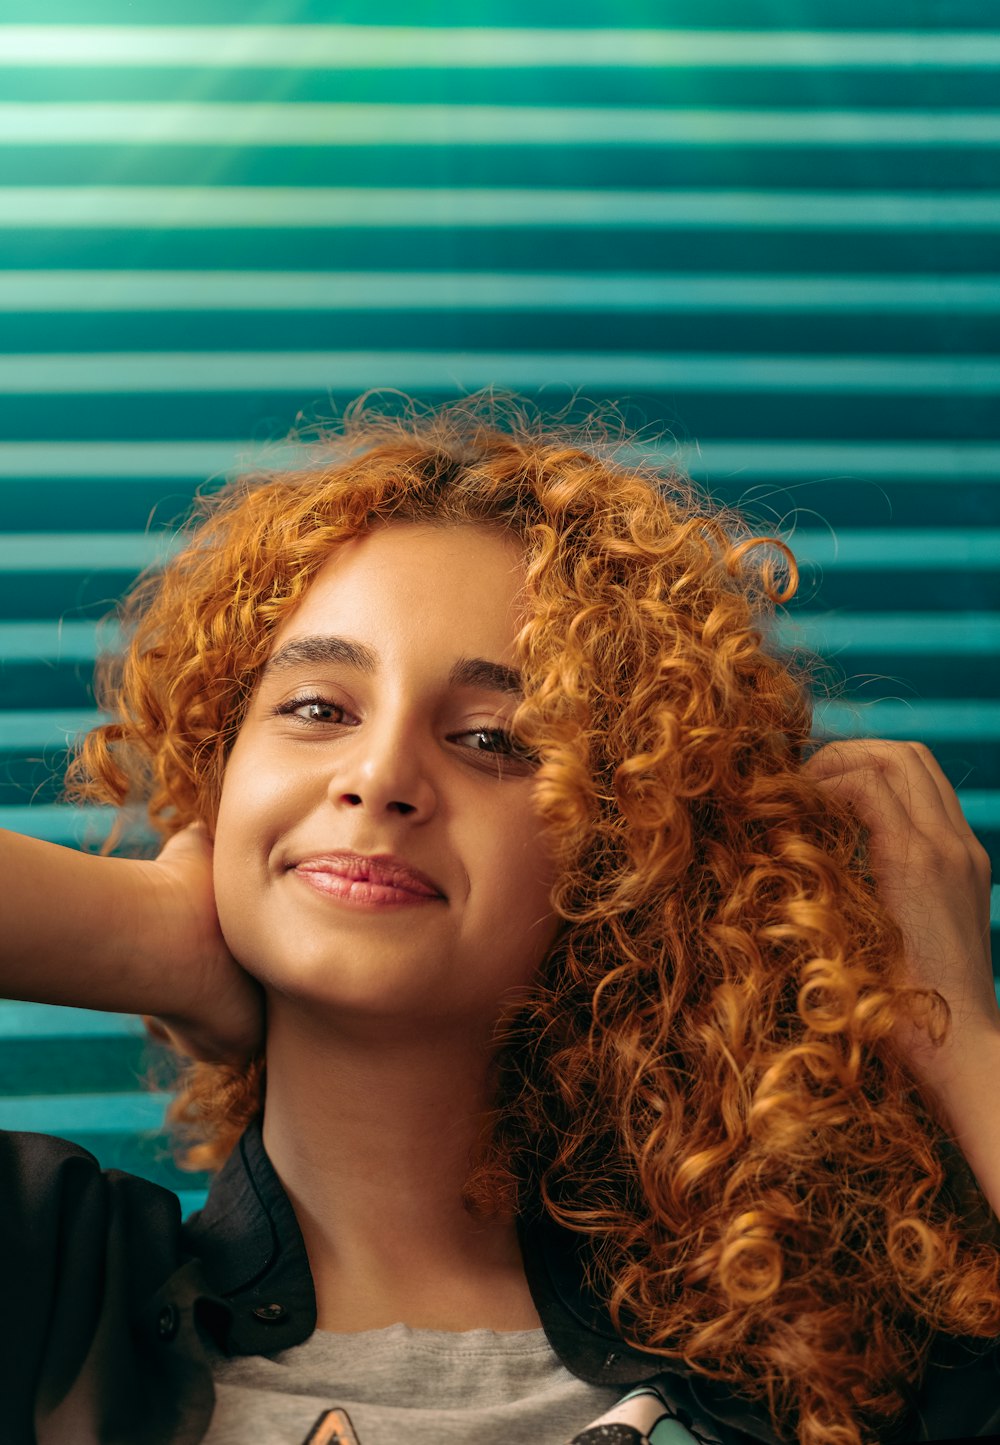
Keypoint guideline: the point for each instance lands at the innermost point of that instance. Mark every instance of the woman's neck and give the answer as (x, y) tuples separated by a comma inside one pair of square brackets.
[(372, 1143)]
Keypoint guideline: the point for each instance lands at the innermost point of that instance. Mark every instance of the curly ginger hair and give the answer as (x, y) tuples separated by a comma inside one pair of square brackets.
[(702, 1082)]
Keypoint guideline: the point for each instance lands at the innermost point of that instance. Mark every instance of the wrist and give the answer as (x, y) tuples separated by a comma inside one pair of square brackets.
[(963, 1087), (140, 964), (955, 1071), (165, 945)]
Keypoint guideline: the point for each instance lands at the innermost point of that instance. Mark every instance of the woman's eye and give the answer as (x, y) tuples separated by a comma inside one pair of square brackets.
[(319, 705), (499, 744), (499, 741)]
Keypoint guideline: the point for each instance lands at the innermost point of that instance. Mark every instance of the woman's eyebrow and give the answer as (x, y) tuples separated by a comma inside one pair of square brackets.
[(310, 651)]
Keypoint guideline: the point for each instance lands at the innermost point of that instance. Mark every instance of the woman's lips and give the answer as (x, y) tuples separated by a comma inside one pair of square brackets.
[(360, 892)]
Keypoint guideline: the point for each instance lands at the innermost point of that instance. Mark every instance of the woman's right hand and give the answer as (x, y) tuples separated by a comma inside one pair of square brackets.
[(222, 1018)]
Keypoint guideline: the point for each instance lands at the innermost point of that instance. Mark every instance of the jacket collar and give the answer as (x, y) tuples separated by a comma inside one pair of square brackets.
[(253, 1255), (253, 1259)]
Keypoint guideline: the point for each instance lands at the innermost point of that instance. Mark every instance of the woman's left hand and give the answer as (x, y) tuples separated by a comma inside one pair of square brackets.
[(933, 875)]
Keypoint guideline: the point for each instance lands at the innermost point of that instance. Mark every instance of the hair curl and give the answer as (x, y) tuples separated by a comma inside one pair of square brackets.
[(701, 1083)]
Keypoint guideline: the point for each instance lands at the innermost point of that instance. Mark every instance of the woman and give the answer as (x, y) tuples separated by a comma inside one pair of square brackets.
[(551, 1038)]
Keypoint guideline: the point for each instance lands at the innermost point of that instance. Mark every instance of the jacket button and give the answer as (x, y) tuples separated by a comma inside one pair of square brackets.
[(270, 1314), (168, 1322)]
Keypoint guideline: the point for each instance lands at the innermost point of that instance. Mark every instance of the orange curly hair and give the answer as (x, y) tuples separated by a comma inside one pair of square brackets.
[(701, 1083)]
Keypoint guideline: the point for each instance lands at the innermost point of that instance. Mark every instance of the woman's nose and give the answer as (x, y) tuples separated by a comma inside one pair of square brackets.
[(384, 769)]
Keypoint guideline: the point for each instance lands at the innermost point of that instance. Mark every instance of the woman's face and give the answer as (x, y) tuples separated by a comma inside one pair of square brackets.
[(383, 752)]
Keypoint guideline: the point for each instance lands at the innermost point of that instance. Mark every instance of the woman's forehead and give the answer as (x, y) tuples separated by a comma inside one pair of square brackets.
[(469, 579), (419, 551)]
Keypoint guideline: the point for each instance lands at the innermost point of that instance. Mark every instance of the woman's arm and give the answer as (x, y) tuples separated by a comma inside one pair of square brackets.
[(934, 876), (967, 1088), (126, 935)]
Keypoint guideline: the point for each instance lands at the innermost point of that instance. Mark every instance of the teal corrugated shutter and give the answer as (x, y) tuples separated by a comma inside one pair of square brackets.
[(771, 230)]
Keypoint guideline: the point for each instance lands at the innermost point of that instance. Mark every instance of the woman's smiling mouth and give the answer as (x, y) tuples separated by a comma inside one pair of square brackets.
[(368, 882)]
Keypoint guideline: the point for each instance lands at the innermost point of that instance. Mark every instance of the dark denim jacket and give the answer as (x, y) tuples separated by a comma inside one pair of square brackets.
[(106, 1294)]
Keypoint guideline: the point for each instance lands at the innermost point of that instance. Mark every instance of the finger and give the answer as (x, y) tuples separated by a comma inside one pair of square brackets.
[(191, 841), (909, 769), (949, 798), (884, 811), (908, 823), (912, 769)]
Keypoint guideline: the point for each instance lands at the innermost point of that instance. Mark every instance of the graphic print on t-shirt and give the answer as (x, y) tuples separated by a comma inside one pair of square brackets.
[(642, 1417), (332, 1428), (645, 1417)]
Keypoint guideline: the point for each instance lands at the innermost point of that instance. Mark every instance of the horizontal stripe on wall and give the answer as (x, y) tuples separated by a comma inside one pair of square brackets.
[(754, 460), (930, 722), (67, 1114), (292, 207), (339, 47), (973, 634), (54, 727), (750, 460), (309, 371), (25, 291), (86, 551), (59, 641), (331, 124), (866, 88), (83, 827), (774, 250), (626, 167), (86, 460), (699, 15), (214, 413), (47, 1020)]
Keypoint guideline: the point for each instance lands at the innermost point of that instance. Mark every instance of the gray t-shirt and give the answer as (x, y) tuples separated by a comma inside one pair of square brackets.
[(396, 1385)]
